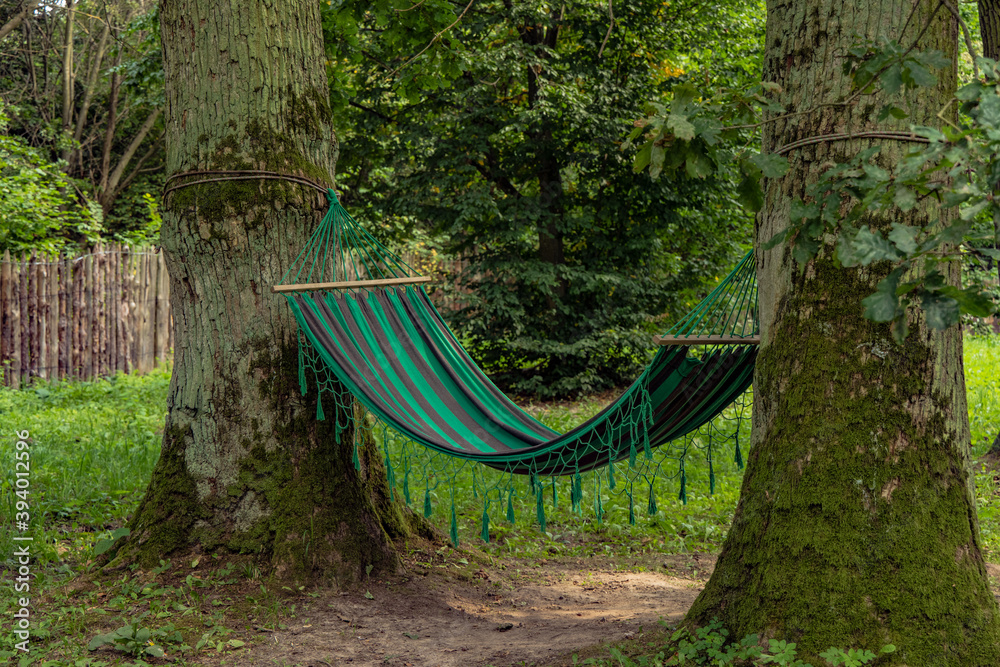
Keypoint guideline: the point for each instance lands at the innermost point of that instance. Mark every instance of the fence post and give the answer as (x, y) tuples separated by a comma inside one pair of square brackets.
[(65, 281), (7, 352)]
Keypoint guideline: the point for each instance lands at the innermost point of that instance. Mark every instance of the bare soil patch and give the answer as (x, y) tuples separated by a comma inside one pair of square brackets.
[(448, 616), (461, 608), (465, 608)]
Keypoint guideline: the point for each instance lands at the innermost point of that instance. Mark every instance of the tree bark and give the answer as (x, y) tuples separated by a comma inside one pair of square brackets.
[(856, 524), (245, 465), (989, 27)]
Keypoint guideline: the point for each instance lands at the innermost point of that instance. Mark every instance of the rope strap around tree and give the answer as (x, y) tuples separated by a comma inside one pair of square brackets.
[(240, 175), (847, 136)]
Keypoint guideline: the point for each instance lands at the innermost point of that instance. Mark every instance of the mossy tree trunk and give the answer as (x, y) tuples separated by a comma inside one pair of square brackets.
[(245, 466), (856, 524)]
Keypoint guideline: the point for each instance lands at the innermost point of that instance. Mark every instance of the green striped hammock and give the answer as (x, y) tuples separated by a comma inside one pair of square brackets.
[(375, 331)]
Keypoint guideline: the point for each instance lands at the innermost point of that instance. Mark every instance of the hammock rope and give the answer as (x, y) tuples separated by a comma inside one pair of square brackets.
[(390, 349)]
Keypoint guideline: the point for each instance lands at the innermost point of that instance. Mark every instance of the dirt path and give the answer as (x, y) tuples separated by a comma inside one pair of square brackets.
[(455, 615)]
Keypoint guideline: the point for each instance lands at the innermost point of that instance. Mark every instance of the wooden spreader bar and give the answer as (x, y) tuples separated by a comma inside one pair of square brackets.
[(706, 340), (351, 284)]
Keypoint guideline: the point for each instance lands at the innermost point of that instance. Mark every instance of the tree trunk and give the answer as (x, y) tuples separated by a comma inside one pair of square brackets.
[(989, 30), (550, 213), (69, 81), (856, 524), (989, 27), (109, 131), (245, 466)]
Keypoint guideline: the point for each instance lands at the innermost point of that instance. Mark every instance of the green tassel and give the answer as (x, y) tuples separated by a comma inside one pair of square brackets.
[(651, 509), (711, 478), (682, 496), (739, 456), (510, 506), (303, 386), (319, 410), (454, 525), (611, 476), (631, 511), (406, 483), (555, 497), (427, 503), (485, 534), (475, 495), (540, 510), (532, 482), (598, 507), (577, 491), (390, 475)]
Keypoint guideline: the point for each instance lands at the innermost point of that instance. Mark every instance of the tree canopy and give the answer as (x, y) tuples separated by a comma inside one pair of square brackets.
[(83, 94), (504, 138)]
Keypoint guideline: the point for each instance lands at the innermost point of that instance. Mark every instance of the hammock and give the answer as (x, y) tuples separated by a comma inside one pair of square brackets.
[(376, 331)]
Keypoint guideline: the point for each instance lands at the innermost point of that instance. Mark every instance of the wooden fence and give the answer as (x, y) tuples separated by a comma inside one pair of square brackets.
[(83, 317)]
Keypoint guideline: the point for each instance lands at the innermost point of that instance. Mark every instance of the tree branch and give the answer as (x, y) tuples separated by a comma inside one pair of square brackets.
[(11, 25), (436, 38), (111, 189), (611, 26), (88, 94), (69, 82), (138, 166), (372, 111)]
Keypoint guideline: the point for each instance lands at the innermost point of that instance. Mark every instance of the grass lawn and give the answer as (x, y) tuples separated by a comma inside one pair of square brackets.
[(93, 446)]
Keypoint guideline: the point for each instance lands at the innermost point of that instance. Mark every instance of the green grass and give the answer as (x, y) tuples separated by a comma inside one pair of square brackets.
[(93, 448), (94, 445), (982, 387)]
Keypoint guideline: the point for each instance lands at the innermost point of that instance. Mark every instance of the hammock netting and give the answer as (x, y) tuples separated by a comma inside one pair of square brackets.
[(387, 347)]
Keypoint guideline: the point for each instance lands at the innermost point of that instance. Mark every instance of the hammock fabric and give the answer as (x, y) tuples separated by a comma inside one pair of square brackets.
[(394, 353)]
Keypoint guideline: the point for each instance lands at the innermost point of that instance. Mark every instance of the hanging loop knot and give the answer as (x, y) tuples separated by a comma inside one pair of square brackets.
[(331, 196)]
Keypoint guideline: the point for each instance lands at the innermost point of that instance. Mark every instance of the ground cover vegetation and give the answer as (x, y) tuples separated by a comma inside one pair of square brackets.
[(93, 448)]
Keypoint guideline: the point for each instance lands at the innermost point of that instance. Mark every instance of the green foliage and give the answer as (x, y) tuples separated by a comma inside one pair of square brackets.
[(71, 184), (105, 544), (711, 645), (138, 640), (37, 207), (510, 150), (715, 140), (957, 167)]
